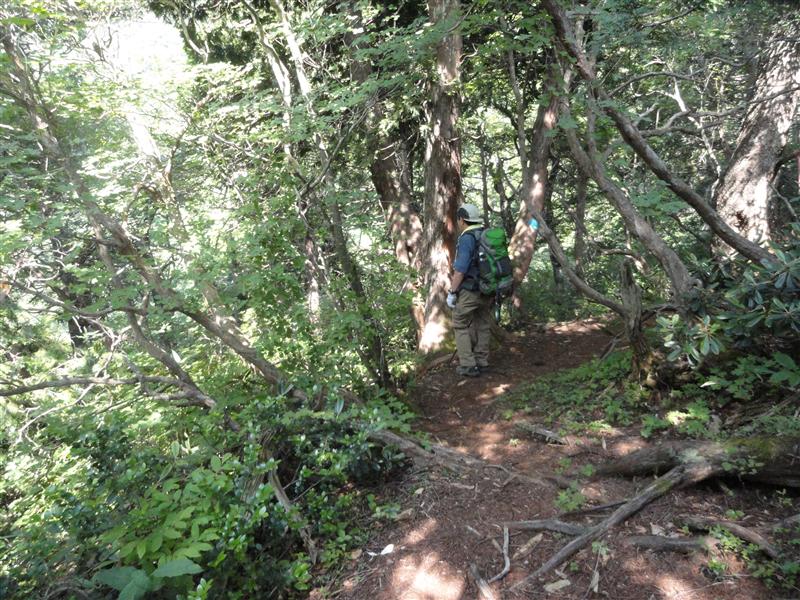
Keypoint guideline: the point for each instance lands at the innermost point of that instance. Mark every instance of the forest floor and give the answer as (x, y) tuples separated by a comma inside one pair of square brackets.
[(448, 520)]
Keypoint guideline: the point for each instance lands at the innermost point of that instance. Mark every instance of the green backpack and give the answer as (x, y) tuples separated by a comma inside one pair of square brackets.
[(494, 265)]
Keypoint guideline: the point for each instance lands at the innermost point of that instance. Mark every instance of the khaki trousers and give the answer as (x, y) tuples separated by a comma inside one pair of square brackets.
[(472, 324)]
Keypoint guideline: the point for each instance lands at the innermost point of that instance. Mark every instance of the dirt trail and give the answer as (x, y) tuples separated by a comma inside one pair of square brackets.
[(448, 521)]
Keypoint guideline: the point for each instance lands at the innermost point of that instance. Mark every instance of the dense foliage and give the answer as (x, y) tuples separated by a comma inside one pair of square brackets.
[(204, 307)]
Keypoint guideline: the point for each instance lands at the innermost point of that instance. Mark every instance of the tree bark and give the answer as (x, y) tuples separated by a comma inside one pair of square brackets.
[(761, 459), (579, 250), (745, 193), (390, 169), (443, 192)]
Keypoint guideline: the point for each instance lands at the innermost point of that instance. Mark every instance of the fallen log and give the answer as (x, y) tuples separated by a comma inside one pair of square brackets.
[(660, 543), (680, 476), (748, 535), (772, 460)]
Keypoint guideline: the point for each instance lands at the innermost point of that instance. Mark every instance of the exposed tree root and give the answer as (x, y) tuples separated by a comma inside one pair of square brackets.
[(446, 457), (506, 558), (787, 523), (547, 525), (593, 509), (551, 437)]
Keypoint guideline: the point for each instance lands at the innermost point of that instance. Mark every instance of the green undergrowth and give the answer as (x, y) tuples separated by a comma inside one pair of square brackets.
[(591, 397), (747, 395)]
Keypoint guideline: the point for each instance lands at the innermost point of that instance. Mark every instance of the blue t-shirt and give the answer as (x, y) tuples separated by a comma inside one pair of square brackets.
[(466, 258)]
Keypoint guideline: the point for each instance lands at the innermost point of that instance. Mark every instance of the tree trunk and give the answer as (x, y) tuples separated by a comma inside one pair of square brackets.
[(390, 166), (535, 181), (743, 198), (579, 251), (442, 178), (590, 164), (633, 136), (631, 295)]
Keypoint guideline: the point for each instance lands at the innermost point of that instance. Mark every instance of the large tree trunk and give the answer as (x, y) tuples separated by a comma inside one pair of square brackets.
[(442, 178), (390, 166), (535, 181), (744, 195), (391, 176)]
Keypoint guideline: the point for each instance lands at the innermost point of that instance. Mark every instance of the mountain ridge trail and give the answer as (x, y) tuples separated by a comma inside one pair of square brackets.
[(449, 520)]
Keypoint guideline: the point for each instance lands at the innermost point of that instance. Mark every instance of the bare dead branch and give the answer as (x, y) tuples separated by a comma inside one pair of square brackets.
[(682, 475), (484, 589), (506, 559), (547, 525), (748, 535)]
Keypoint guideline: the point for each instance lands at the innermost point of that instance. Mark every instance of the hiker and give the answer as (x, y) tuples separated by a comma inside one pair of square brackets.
[(471, 309)]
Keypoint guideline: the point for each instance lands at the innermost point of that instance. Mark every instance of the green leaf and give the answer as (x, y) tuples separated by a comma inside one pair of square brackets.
[(116, 578), (19, 21), (138, 586), (785, 361), (567, 122), (178, 567)]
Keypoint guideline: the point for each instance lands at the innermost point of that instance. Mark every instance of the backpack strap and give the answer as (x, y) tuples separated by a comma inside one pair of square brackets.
[(475, 231)]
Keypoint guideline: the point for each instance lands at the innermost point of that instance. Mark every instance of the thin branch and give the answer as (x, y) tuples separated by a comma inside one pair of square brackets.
[(71, 381), (506, 559), (641, 76)]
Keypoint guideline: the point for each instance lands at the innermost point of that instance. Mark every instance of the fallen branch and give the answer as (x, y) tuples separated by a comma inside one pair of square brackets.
[(541, 432), (448, 458), (787, 522), (506, 559), (483, 587), (592, 509), (680, 476), (547, 525), (748, 535), (659, 543)]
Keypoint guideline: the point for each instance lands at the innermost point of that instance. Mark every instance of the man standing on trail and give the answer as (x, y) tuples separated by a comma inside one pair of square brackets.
[(471, 309)]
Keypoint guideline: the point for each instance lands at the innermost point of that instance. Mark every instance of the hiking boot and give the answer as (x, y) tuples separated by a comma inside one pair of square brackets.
[(484, 369), (468, 371)]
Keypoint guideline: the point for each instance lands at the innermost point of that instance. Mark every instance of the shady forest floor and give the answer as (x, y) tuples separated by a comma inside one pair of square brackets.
[(445, 520)]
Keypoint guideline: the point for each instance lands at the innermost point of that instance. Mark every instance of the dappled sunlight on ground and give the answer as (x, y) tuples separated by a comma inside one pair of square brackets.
[(675, 588), (426, 578), (626, 446)]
